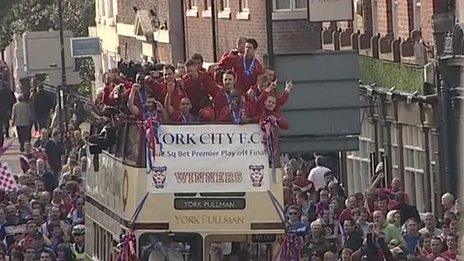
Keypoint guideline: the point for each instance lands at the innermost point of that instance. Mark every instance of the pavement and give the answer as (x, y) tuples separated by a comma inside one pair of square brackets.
[(11, 156)]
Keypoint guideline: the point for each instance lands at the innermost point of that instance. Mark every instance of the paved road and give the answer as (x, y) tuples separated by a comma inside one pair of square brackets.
[(12, 156)]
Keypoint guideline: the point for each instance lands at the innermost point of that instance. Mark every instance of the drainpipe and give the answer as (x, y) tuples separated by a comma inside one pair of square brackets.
[(270, 38), (184, 31), (214, 30), (386, 139)]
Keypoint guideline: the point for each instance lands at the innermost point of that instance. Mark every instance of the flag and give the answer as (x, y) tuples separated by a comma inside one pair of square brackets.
[(24, 163), (7, 181), (6, 147)]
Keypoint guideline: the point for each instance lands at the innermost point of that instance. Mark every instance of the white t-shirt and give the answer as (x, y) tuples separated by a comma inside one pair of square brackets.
[(316, 176)]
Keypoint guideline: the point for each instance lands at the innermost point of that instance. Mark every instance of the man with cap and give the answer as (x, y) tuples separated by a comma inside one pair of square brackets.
[(78, 247)]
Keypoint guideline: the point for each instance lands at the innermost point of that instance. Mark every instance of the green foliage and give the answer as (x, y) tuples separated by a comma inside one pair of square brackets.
[(389, 74), (19, 16)]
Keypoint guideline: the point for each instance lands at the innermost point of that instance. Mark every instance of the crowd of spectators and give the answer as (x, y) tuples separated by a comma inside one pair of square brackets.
[(325, 223), (42, 218)]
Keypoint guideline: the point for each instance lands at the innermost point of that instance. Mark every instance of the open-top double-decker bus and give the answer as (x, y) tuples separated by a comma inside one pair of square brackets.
[(207, 192)]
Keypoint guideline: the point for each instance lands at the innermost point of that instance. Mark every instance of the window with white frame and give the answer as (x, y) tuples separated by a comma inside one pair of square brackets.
[(289, 5), (243, 6), (224, 5), (192, 8), (193, 4), (207, 11), (414, 165), (358, 162), (243, 10), (224, 9)]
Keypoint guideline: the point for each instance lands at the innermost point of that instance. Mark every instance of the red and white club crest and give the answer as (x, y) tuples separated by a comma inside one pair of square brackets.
[(256, 175), (159, 176)]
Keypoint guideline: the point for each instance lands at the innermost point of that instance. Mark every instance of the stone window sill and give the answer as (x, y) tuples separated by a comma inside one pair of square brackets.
[(206, 13), (224, 14), (243, 15), (192, 12)]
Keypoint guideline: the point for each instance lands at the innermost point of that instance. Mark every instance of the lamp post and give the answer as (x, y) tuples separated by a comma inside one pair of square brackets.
[(62, 89)]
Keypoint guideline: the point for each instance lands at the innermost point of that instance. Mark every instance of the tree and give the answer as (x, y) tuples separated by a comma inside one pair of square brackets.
[(19, 16), (41, 15)]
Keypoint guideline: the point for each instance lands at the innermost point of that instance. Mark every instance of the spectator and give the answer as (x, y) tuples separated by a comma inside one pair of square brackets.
[(452, 244), (406, 211), (390, 230), (412, 237), (46, 176), (352, 237), (447, 201), (316, 175), (430, 225), (43, 104), (436, 246), (23, 117), (7, 100)]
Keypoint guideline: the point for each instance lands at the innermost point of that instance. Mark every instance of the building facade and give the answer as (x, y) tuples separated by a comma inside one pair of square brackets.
[(139, 30)]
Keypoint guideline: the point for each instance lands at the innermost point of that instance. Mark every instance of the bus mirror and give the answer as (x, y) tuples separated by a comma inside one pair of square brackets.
[(95, 149), (96, 162)]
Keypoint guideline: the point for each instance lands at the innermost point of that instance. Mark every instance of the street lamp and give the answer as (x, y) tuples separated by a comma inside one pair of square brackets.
[(61, 89)]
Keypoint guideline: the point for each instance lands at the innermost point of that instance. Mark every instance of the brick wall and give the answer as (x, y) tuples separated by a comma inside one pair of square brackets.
[(198, 34), (405, 18), (296, 36), (199, 30), (255, 27), (427, 10), (134, 48), (382, 16)]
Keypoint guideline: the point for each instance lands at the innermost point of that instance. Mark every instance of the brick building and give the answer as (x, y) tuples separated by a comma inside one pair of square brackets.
[(279, 26), (139, 30), (398, 42)]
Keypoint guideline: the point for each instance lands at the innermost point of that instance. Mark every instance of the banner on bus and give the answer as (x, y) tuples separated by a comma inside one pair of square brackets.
[(209, 158)]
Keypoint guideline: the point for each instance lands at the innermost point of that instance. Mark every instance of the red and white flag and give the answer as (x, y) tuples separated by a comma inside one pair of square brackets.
[(7, 181)]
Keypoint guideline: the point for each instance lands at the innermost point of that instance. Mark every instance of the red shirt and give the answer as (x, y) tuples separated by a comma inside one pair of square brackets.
[(448, 254), (197, 90), (221, 100), (244, 111), (207, 114), (179, 117), (241, 66), (282, 98)]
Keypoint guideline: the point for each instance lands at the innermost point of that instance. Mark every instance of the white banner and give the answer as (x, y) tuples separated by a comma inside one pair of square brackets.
[(209, 158)]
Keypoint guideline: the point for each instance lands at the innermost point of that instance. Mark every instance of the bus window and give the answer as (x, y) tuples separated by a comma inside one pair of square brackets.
[(135, 146), (235, 251), (171, 247)]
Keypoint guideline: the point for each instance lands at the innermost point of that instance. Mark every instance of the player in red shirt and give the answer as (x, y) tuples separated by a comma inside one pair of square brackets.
[(246, 66), (197, 85), (238, 50), (222, 97), (159, 88), (183, 113), (282, 98), (116, 88), (238, 111), (134, 104), (271, 122)]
